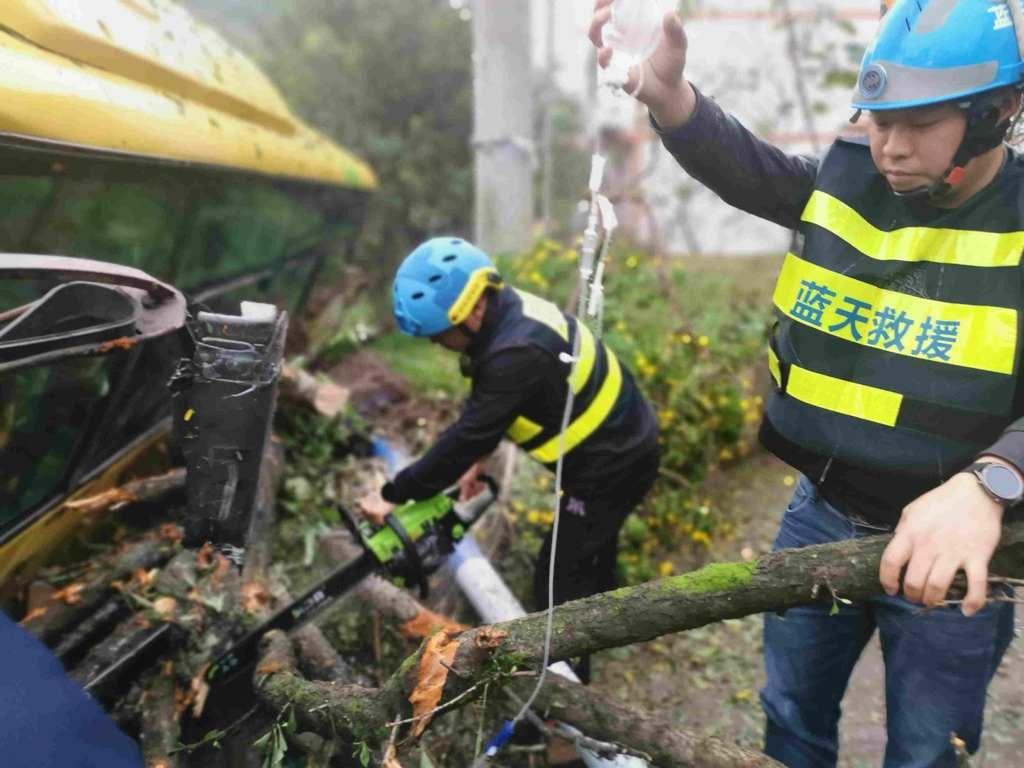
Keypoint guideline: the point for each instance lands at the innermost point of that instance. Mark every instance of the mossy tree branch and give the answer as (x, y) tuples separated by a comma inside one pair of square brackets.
[(775, 582)]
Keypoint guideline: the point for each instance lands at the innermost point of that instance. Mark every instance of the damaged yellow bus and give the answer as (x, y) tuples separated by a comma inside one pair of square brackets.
[(131, 133)]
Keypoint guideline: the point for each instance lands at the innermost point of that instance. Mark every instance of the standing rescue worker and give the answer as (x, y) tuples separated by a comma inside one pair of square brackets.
[(517, 350), (896, 357)]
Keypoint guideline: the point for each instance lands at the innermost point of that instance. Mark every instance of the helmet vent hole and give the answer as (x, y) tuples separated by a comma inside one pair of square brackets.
[(434, 278), (456, 242), (450, 257), (418, 295)]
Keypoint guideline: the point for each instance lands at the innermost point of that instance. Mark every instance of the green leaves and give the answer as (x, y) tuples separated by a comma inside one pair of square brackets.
[(274, 742)]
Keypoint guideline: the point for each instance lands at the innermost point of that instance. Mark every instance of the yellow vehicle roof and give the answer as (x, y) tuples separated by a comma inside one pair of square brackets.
[(143, 77)]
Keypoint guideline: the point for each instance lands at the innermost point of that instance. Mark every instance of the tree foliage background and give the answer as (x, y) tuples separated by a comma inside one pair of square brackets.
[(390, 80)]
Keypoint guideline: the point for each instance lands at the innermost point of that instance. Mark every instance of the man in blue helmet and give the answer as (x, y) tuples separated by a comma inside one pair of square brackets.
[(517, 350), (896, 358)]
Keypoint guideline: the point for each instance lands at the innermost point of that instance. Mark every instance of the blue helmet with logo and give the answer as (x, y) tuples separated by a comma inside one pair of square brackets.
[(439, 283), (932, 51)]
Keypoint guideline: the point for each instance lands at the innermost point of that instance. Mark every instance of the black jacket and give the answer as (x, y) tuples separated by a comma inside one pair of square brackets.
[(761, 179), (526, 379)]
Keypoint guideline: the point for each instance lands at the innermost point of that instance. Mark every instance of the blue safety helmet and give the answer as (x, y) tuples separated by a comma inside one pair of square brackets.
[(439, 283), (931, 51), (935, 51)]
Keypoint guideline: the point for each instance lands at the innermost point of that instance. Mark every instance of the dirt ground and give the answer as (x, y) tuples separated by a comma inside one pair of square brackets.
[(708, 679)]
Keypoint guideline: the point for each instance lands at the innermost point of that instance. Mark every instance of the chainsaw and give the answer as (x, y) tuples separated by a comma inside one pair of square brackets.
[(413, 542)]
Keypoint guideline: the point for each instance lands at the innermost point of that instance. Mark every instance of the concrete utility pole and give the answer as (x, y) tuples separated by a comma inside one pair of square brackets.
[(503, 124), (548, 132)]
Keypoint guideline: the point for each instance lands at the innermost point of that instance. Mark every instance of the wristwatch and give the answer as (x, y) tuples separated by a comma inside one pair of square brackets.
[(1001, 483)]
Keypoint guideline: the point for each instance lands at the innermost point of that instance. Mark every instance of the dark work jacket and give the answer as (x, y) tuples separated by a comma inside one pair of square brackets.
[(519, 388), (897, 348)]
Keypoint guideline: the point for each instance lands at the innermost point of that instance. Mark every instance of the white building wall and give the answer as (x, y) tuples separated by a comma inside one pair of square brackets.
[(739, 54)]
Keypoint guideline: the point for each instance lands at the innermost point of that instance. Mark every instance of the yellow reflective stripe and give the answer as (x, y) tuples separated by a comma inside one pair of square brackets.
[(481, 279), (523, 430), (544, 312), (968, 335), (941, 246), (590, 419), (773, 367), (858, 400), (587, 356)]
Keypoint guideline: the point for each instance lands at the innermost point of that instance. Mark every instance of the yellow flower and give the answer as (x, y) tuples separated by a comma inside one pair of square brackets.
[(665, 416), (725, 454), (703, 341), (745, 404), (632, 261), (723, 400), (701, 538), (665, 568), (533, 516), (687, 338), (758, 400), (744, 694)]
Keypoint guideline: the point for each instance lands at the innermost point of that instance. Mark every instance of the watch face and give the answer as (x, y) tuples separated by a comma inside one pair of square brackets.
[(1003, 482)]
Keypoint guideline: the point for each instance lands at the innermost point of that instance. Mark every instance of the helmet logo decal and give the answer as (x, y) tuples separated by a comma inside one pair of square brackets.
[(872, 81), (1003, 19)]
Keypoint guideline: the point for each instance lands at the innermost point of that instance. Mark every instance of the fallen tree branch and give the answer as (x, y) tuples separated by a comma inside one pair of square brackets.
[(161, 730), (321, 394), (144, 489), (645, 734), (71, 605), (774, 582)]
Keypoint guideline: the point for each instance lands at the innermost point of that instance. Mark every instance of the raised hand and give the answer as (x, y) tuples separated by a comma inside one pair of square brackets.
[(662, 87)]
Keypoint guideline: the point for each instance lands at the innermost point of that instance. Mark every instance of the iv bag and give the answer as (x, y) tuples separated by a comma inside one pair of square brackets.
[(634, 28)]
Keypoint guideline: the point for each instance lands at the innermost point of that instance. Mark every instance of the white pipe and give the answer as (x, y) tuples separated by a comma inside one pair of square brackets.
[(494, 603)]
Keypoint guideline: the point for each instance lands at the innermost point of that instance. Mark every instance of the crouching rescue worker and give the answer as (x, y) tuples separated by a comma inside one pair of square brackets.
[(517, 350), (897, 361)]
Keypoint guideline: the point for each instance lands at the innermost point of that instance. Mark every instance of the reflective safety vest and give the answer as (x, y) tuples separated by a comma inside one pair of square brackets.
[(898, 328), (596, 381)]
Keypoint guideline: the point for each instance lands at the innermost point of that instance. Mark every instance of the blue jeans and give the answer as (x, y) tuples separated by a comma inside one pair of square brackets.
[(938, 663)]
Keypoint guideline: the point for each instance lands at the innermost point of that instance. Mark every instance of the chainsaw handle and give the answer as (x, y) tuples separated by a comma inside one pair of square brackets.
[(469, 511)]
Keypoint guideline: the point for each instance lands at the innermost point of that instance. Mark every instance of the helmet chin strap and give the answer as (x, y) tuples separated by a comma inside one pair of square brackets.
[(983, 132)]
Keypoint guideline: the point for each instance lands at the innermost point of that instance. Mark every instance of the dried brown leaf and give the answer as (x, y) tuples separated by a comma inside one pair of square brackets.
[(255, 597), (431, 676), (206, 555), (142, 578), (269, 667), (71, 594)]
